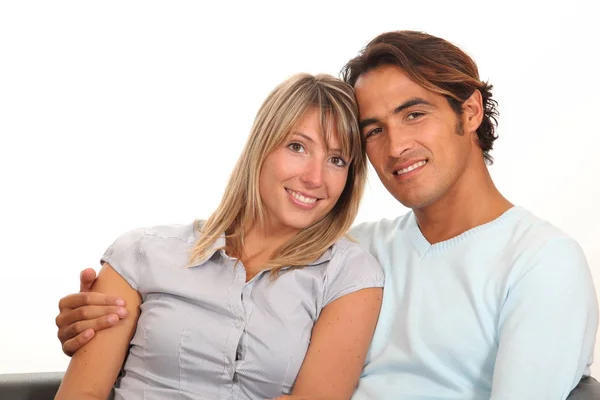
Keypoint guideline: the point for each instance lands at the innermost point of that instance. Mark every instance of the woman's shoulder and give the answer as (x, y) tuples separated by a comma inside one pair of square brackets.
[(140, 240), (348, 248), (351, 258), (184, 232), (350, 268), (138, 249)]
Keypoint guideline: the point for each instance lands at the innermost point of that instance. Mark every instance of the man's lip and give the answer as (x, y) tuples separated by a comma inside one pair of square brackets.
[(398, 167), (413, 168)]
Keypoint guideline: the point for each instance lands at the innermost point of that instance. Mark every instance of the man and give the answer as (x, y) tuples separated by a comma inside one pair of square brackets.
[(482, 299)]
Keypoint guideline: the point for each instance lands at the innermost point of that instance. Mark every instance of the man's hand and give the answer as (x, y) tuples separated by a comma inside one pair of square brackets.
[(83, 314)]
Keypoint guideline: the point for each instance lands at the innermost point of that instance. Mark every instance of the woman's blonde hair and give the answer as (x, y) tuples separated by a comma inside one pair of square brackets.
[(241, 206)]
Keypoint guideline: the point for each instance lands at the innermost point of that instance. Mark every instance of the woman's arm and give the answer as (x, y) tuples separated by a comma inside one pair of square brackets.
[(94, 368), (338, 346)]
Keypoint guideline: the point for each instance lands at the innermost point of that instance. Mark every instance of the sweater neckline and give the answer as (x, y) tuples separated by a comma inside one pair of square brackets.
[(423, 246)]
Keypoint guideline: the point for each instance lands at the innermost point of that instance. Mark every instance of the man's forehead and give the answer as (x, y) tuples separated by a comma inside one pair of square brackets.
[(385, 88), (387, 81)]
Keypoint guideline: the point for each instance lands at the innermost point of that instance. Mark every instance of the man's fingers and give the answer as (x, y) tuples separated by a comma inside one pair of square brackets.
[(68, 316), (76, 300), (86, 279), (71, 346), (76, 328)]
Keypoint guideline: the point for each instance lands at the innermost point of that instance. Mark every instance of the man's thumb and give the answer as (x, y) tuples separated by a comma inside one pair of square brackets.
[(87, 278)]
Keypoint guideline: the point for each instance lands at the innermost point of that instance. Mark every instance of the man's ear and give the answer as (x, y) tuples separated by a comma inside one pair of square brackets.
[(472, 112)]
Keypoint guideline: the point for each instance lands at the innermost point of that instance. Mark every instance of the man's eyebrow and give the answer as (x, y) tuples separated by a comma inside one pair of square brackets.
[(415, 101), (366, 122)]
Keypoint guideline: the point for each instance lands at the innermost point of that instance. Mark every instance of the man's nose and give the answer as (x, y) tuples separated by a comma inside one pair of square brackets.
[(398, 142)]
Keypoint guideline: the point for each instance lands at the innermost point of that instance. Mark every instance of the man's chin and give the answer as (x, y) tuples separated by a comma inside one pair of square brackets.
[(415, 202)]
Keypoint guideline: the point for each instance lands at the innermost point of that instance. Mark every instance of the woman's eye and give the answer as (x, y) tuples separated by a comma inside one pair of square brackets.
[(338, 161), (296, 147)]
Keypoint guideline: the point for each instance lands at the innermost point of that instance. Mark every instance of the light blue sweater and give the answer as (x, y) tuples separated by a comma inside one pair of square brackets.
[(506, 310)]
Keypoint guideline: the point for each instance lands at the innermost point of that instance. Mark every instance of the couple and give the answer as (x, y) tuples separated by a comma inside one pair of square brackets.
[(267, 298)]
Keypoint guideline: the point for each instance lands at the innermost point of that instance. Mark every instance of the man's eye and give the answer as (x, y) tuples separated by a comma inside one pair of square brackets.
[(296, 147), (414, 115), (373, 132)]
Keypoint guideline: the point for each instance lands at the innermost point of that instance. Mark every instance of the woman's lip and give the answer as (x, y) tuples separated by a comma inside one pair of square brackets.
[(304, 194), (300, 204)]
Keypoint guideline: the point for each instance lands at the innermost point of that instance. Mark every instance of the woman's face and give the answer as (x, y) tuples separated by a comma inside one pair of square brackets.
[(302, 180)]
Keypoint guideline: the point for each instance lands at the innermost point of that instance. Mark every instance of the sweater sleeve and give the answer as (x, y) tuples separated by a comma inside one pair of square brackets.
[(547, 326)]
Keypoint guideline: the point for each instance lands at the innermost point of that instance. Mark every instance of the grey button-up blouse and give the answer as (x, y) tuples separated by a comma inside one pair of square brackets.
[(204, 333)]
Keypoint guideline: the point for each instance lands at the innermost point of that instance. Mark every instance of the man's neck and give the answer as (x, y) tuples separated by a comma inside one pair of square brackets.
[(474, 200)]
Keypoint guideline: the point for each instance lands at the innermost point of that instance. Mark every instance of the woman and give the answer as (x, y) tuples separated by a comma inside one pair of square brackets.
[(265, 297)]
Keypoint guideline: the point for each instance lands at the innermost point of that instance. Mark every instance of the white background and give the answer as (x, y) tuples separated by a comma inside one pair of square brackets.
[(119, 114)]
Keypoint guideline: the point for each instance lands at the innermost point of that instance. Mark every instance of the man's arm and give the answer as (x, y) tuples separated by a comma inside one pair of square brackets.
[(338, 346), (83, 314), (94, 369), (547, 327)]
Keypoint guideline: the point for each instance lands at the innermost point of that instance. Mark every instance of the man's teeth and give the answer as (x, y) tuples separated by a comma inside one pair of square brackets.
[(411, 167), (302, 199)]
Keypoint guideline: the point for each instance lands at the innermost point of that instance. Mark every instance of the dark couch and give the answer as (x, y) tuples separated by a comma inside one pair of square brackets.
[(43, 386), (32, 386)]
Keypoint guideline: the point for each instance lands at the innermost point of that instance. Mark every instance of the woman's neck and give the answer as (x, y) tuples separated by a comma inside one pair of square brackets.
[(259, 244)]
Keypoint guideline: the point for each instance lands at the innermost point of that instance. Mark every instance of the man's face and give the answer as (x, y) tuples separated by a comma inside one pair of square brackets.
[(414, 139)]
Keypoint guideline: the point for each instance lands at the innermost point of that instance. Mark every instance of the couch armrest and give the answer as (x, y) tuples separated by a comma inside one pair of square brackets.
[(33, 386), (588, 389)]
